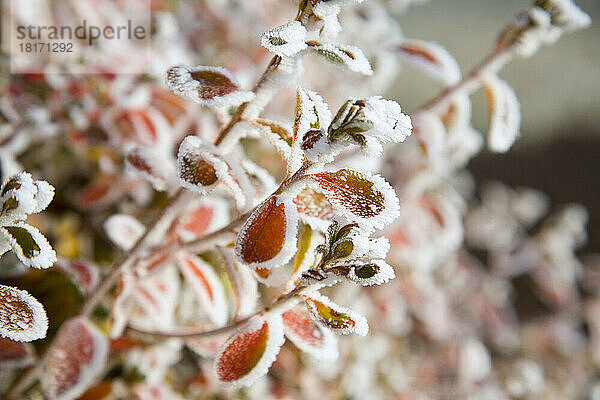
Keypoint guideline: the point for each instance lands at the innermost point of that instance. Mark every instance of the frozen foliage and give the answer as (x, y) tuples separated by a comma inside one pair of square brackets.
[(22, 317), (285, 40), (257, 203), (75, 360), (339, 319), (505, 114), (249, 353), (208, 86), (19, 197), (432, 58)]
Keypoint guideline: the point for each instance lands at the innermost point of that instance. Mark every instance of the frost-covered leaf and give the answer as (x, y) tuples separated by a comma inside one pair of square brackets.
[(16, 354), (314, 208), (278, 134), (244, 288), (29, 245), (22, 317), (248, 354), (306, 250), (21, 195), (349, 56), (369, 123), (206, 85), (368, 200), (309, 336), (76, 358), (311, 119), (123, 230), (505, 114), (285, 40), (338, 319), (84, 274), (150, 166), (102, 190), (155, 298), (206, 285), (565, 14), (200, 167), (375, 272), (202, 217), (268, 238), (432, 58)]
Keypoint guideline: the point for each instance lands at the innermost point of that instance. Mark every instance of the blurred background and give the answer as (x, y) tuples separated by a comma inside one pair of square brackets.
[(559, 91)]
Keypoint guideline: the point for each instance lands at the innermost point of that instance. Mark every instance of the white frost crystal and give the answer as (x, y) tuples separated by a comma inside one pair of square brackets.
[(285, 40)]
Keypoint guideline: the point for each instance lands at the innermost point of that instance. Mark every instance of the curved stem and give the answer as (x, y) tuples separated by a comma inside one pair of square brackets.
[(239, 112), (284, 301), (470, 82)]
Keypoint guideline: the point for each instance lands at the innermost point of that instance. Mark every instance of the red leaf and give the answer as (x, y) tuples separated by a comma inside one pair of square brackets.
[(248, 354), (308, 336), (76, 358), (432, 58), (268, 238), (334, 317), (369, 200), (15, 354), (207, 286), (22, 317)]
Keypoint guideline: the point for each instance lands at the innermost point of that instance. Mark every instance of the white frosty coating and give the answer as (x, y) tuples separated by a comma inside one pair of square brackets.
[(122, 305), (505, 116), (180, 81), (285, 40), (280, 145), (382, 121), (361, 327), (568, 15), (525, 379), (327, 8), (289, 242), (391, 204), (475, 362), (31, 196), (38, 316), (384, 275), (123, 230), (328, 351), (24, 195), (237, 184), (274, 342), (340, 53), (159, 168), (443, 67), (211, 298), (43, 258), (4, 245), (87, 373), (44, 195), (390, 125), (218, 220), (247, 289), (311, 109), (267, 181)]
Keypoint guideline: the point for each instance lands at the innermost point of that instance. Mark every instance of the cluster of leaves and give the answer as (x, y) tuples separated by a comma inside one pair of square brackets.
[(193, 274)]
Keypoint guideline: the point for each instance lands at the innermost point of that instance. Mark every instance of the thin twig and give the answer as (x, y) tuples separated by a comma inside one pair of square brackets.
[(470, 82), (284, 301)]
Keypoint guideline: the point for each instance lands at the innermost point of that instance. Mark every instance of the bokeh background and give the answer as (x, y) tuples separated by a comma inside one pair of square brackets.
[(559, 91)]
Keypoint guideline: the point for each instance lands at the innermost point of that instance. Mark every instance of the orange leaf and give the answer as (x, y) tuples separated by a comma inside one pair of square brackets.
[(248, 354), (268, 238), (76, 358)]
